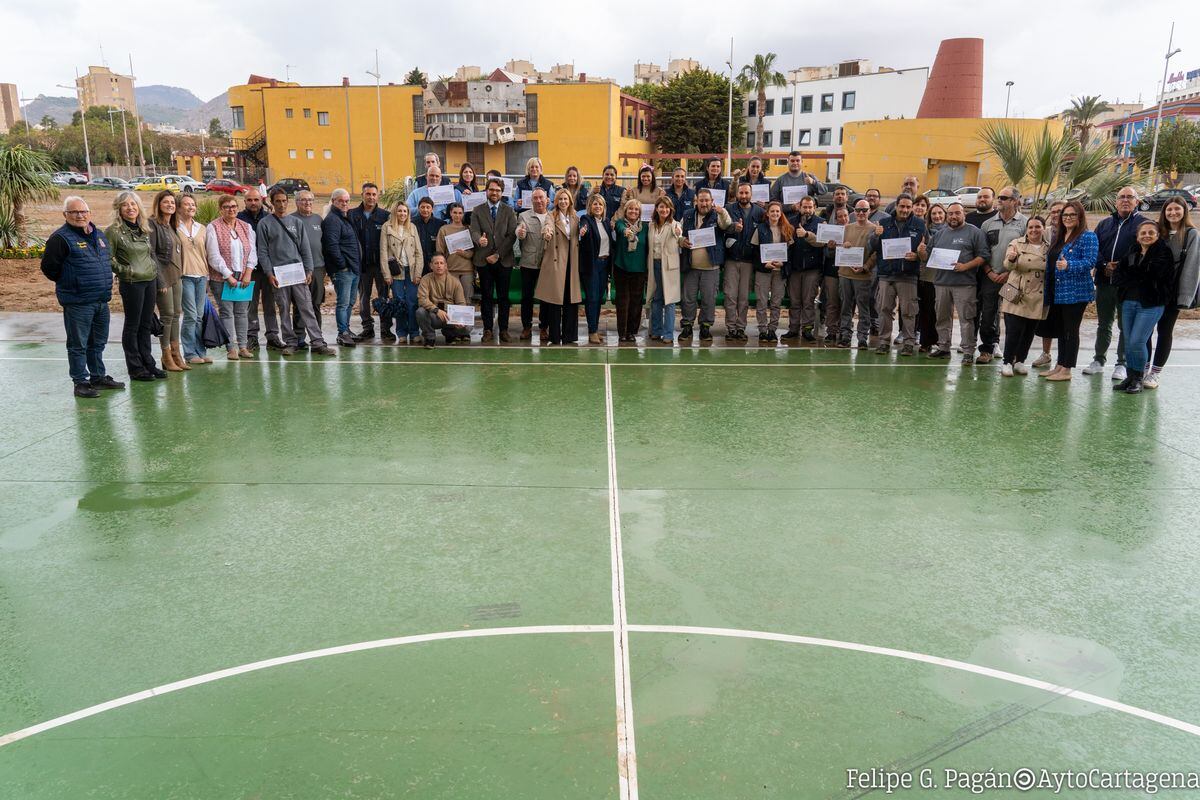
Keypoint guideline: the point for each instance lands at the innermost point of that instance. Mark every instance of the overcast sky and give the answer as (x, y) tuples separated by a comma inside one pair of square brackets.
[(1052, 51)]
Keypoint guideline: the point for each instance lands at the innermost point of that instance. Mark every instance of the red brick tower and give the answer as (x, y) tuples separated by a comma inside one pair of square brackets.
[(955, 87)]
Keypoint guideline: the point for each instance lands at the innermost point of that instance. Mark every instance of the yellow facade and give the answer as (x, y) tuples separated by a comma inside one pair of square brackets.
[(944, 153), (582, 125)]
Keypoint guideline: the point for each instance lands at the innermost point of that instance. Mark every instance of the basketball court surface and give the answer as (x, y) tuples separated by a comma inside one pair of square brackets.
[(590, 573)]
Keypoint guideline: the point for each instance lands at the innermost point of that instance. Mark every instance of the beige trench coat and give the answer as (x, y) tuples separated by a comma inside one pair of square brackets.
[(560, 262), (669, 236), (1028, 274)]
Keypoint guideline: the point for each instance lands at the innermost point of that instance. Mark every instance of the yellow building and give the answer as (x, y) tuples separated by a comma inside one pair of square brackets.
[(943, 153), (330, 135), (103, 87)]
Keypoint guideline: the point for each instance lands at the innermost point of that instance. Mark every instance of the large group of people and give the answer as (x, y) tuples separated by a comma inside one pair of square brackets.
[(852, 272)]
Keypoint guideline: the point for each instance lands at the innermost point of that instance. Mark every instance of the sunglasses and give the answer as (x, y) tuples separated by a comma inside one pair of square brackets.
[(861, 210), (1007, 197)]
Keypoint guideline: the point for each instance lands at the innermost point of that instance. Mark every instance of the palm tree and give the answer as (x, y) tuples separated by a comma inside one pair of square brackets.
[(757, 77), (24, 178), (1038, 161), (1082, 114)]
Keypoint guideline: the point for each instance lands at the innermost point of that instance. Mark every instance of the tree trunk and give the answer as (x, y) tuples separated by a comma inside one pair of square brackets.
[(19, 221), (762, 110)]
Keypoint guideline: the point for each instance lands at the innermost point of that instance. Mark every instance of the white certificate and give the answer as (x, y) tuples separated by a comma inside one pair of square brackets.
[(474, 200), (459, 241), (831, 233), (647, 212), (794, 194), (718, 196), (441, 195), (508, 186), (760, 192), (525, 200), (848, 257), (461, 315), (943, 258), (897, 248), (703, 237), (773, 252), (289, 274)]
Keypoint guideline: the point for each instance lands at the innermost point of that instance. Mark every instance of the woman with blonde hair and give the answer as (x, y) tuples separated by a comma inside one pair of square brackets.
[(164, 247), (631, 239), (597, 251), (534, 179), (193, 248), (137, 280), (662, 266), (558, 279), (403, 263)]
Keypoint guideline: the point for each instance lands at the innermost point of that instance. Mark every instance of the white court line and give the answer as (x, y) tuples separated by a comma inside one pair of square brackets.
[(209, 677), (963, 666), (948, 663), (626, 751)]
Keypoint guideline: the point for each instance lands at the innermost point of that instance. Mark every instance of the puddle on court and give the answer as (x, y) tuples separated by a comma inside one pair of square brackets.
[(1062, 660), (110, 497)]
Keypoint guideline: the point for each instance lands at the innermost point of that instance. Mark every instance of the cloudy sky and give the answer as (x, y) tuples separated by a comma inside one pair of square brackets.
[(1052, 51)]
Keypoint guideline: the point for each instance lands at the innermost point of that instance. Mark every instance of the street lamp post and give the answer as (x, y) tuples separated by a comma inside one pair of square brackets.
[(1008, 97), (729, 130), (141, 150), (379, 118), (1162, 99), (25, 113), (87, 153)]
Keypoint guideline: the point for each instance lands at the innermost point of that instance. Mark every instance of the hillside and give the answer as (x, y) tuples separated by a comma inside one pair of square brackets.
[(169, 105), (167, 97)]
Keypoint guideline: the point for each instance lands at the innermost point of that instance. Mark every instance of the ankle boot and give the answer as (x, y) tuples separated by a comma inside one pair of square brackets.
[(168, 360), (177, 354), (1135, 383)]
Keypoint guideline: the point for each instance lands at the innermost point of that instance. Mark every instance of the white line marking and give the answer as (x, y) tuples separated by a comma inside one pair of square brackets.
[(209, 677), (963, 666), (948, 663), (626, 751)]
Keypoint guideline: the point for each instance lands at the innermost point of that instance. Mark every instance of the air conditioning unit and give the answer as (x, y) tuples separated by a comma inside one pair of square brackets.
[(504, 134)]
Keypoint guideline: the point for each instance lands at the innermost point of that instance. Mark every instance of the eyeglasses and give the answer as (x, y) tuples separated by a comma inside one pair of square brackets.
[(1068, 215), (861, 210), (1007, 197), (74, 211)]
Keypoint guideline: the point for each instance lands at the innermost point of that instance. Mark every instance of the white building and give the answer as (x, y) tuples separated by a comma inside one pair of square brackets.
[(808, 114)]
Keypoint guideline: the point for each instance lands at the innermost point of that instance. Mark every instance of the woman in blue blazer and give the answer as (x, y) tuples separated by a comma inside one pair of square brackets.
[(1069, 284)]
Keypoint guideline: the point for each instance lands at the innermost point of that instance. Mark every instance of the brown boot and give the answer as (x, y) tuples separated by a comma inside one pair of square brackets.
[(178, 354), (168, 360)]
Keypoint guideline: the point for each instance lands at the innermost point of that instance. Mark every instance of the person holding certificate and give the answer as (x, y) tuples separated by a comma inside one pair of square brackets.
[(494, 232), (467, 185), (439, 290), (284, 258), (646, 192), (718, 187), (680, 194), (803, 274), (529, 232), (855, 260), (595, 254), (701, 260), (795, 177), (534, 179), (770, 240), (662, 264), (898, 270), (441, 194), (740, 261), (754, 176), (558, 278), (831, 286), (403, 264), (956, 252), (935, 219)]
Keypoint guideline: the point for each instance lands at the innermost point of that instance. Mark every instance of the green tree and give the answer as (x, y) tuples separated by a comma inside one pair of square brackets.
[(215, 131), (49, 123), (416, 78), (647, 92), (1082, 116), (1178, 149), (691, 113), (757, 77), (24, 178)]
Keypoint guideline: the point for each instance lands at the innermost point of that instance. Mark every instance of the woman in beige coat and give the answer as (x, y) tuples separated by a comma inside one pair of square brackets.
[(662, 264), (403, 262), (558, 280), (1026, 262)]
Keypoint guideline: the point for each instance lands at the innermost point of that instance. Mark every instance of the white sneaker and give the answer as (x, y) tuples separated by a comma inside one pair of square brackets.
[(1007, 370), (1021, 369), (1150, 380), (1042, 360), (1095, 368), (1119, 373)]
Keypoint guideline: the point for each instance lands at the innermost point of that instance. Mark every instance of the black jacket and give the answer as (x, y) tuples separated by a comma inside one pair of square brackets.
[(367, 227), (589, 245), (427, 234), (742, 249), (339, 244), (1149, 278)]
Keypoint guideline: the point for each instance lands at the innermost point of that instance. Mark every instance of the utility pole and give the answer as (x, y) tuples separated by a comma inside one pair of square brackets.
[(87, 153), (1007, 98), (379, 118), (287, 71), (1161, 99), (349, 138), (729, 131), (125, 133), (141, 150)]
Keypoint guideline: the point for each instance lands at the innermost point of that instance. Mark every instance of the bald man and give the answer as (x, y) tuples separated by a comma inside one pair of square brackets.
[(1008, 224)]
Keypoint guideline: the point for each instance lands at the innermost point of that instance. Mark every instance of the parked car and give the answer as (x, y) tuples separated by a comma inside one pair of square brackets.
[(70, 178), (291, 185), (175, 183), (110, 183), (1154, 202), (942, 197), (826, 198), (189, 184), (967, 195), (1059, 195), (226, 186)]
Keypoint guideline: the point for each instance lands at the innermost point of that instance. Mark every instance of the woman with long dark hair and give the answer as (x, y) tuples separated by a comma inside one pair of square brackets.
[(137, 280), (1069, 284), (1145, 281), (164, 246), (1022, 305), (768, 275), (646, 191), (1183, 239), (467, 184), (935, 219), (1045, 328), (573, 183)]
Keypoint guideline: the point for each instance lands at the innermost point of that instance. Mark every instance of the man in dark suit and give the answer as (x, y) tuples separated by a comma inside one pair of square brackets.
[(494, 231)]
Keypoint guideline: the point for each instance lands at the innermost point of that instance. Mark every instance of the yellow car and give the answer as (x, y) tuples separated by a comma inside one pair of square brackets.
[(176, 183)]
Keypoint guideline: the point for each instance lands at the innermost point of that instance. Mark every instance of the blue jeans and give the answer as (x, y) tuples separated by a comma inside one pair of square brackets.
[(87, 333), (662, 315), (1136, 323), (405, 291), (345, 286), (595, 292), (193, 313)]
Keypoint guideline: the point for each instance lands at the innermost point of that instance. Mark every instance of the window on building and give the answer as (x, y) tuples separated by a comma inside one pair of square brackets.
[(642, 127), (770, 108), (751, 108), (827, 102), (475, 156), (786, 108), (629, 125), (308, 113), (749, 138), (322, 117), (310, 153), (825, 136), (785, 138), (768, 138), (848, 101), (806, 104), (531, 113), (239, 118), (803, 138), (287, 113), (328, 154), (418, 112), (291, 153)]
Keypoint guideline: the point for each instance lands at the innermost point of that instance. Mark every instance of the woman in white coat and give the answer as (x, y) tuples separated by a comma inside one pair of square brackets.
[(662, 262)]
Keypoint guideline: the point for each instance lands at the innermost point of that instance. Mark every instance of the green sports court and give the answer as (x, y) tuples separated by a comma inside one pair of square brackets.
[(605, 572)]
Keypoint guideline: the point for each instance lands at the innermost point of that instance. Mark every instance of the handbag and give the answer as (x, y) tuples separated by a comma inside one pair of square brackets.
[(1010, 292), (156, 326), (212, 330)]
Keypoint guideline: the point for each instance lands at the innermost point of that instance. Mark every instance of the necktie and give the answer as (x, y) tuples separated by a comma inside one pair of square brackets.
[(493, 213)]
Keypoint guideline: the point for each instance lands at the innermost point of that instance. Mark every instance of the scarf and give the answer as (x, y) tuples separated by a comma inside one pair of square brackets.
[(225, 235), (632, 229)]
